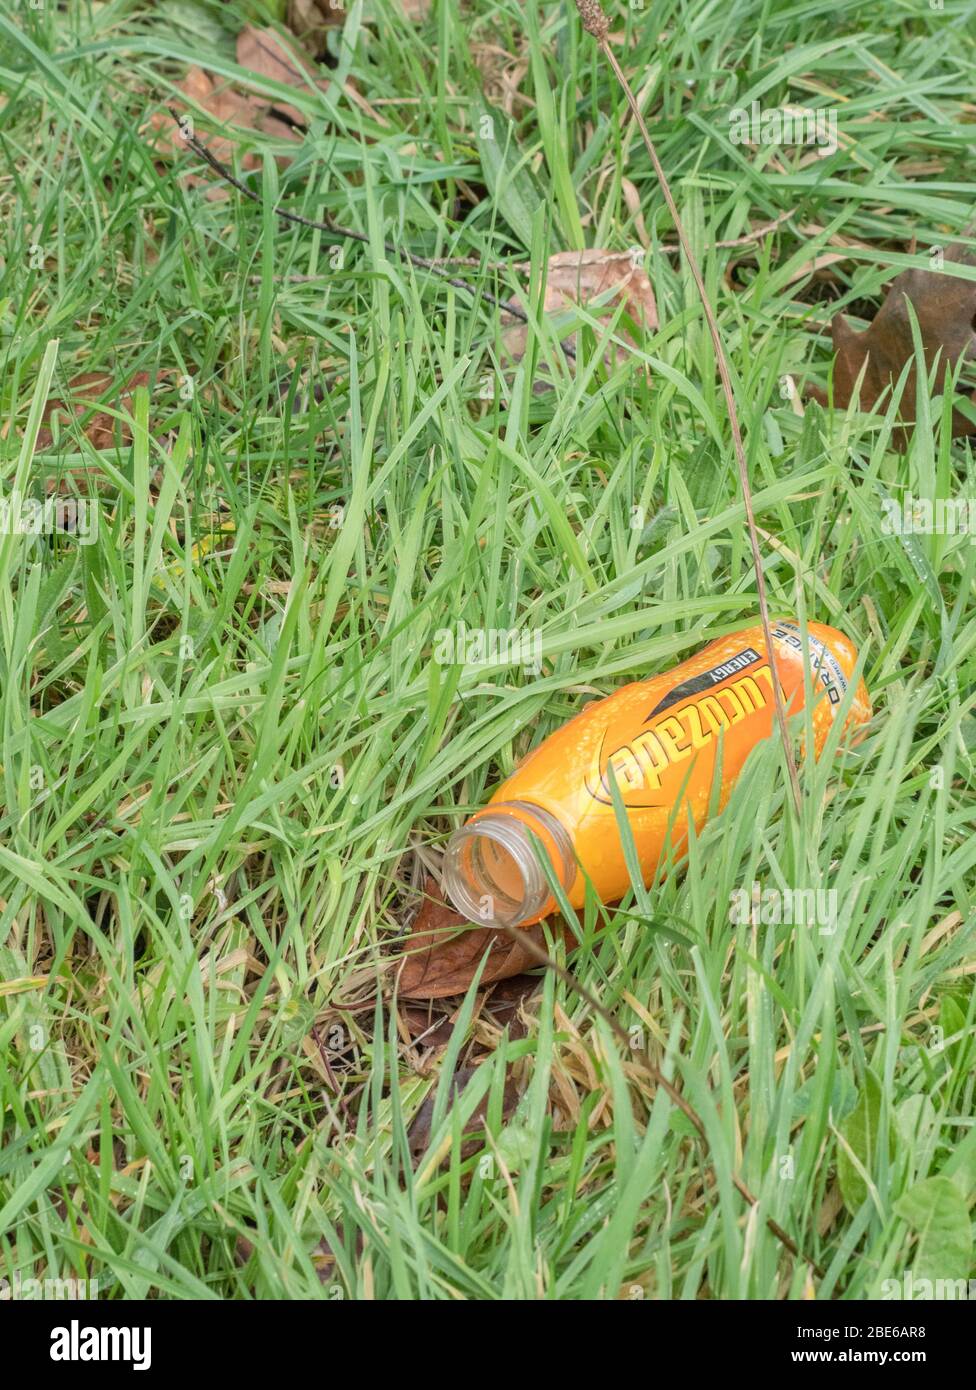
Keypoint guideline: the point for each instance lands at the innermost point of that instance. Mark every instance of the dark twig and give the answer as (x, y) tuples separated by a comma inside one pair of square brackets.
[(334, 229)]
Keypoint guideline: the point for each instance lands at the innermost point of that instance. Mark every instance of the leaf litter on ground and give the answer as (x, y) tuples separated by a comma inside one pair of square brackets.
[(444, 950), (267, 54), (945, 308), (598, 280)]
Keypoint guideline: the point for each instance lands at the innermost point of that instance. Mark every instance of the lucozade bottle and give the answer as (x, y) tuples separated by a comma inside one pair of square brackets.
[(661, 739)]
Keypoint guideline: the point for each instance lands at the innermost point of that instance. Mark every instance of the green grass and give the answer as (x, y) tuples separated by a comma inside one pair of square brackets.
[(196, 907)]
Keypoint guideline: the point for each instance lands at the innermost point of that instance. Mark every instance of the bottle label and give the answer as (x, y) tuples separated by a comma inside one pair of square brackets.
[(706, 680), (641, 762), (826, 668)]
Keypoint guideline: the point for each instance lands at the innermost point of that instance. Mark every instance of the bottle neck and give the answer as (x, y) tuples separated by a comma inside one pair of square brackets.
[(493, 866)]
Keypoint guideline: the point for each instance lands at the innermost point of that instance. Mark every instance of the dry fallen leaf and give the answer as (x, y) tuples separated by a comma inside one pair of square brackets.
[(223, 104), (502, 74), (87, 389), (419, 1135), (431, 1026), (945, 307), (267, 54), (583, 277), (444, 950), (311, 20)]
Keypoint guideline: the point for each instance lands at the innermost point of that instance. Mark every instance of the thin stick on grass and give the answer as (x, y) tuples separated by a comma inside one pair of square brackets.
[(596, 24), (748, 239), (334, 229)]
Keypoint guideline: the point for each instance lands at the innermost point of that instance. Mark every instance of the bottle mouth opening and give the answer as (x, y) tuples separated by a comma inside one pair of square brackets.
[(492, 871)]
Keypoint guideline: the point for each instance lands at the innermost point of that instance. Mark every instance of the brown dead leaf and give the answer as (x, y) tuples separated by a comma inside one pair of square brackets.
[(584, 277), (226, 107), (444, 950), (419, 1135), (502, 74), (945, 307), (267, 54), (311, 20), (87, 389), (499, 1005), (426, 1027)]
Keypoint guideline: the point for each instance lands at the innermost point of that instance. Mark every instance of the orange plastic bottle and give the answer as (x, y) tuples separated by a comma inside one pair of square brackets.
[(661, 737)]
